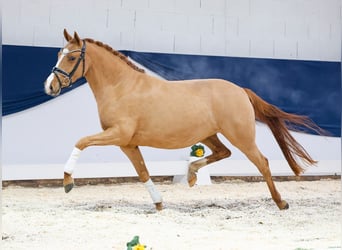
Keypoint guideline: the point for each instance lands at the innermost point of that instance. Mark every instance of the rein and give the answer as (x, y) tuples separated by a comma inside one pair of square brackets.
[(57, 70)]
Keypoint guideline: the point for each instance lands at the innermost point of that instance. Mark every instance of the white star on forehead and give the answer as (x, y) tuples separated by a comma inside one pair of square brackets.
[(65, 51)]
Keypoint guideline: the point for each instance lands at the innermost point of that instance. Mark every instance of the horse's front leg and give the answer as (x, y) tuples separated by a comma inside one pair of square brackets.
[(134, 154), (107, 137)]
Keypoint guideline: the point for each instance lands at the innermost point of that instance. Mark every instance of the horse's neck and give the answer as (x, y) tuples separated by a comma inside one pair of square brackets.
[(108, 74)]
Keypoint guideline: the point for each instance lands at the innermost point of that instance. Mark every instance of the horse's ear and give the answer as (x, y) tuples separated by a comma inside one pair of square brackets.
[(77, 38), (66, 35)]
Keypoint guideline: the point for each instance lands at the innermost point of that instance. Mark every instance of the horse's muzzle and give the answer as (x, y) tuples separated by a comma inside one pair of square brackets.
[(50, 89)]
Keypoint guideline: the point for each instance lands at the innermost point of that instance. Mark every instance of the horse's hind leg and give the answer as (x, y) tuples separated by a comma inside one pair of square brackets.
[(219, 152), (253, 154), (134, 154)]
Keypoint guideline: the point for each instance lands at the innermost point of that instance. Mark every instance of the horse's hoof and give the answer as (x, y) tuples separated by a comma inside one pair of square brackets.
[(68, 187), (284, 205), (192, 179), (159, 206), (68, 182)]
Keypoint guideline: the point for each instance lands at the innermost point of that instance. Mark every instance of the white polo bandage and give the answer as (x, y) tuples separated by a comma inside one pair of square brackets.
[(155, 195), (70, 165)]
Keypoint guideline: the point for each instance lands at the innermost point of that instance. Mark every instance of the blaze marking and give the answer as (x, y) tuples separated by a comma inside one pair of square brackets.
[(51, 76)]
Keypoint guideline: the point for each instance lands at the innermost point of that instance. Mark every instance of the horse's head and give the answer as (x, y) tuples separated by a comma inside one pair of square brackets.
[(69, 67)]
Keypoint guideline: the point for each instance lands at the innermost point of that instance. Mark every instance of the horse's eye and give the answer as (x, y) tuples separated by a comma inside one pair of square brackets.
[(71, 58)]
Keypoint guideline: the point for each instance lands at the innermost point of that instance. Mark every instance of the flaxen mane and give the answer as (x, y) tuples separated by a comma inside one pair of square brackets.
[(116, 53)]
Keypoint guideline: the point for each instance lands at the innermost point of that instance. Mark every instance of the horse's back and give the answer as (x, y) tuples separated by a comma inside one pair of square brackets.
[(218, 87)]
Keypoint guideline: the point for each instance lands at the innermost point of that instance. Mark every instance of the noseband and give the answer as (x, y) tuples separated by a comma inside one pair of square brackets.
[(57, 70)]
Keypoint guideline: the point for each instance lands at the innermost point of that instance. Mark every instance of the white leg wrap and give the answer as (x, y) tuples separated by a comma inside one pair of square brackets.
[(155, 195), (70, 165)]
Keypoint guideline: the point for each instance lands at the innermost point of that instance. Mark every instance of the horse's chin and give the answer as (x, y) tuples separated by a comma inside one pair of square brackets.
[(53, 93)]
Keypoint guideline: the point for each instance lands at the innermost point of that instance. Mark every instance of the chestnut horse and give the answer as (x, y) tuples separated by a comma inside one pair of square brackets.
[(136, 109)]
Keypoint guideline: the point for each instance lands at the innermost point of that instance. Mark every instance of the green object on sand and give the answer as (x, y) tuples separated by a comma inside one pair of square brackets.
[(133, 243)]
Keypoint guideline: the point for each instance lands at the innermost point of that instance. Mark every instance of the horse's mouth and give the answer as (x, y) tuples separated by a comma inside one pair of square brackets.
[(51, 91), (54, 93)]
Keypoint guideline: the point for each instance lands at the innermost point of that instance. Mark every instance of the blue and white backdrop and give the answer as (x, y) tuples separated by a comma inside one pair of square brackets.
[(289, 52)]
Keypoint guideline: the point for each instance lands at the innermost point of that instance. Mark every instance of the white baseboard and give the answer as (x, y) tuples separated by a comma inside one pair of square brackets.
[(158, 168)]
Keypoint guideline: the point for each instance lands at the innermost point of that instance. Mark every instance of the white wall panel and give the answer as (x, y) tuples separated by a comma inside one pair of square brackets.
[(30, 14), (147, 41), (93, 16), (135, 4), (187, 7), (121, 20), (62, 15), (329, 10), (127, 40), (18, 34), (328, 48), (231, 27), (308, 48), (150, 19), (219, 25), (186, 43), (238, 47), (241, 8), (297, 28), (285, 48), (201, 24), (46, 35), (121, 23), (212, 45), (262, 47), (111, 4), (161, 5), (213, 7), (174, 21), (256, 28)]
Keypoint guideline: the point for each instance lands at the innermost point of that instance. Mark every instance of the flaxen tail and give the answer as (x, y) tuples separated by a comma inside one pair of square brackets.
[(279, 122)]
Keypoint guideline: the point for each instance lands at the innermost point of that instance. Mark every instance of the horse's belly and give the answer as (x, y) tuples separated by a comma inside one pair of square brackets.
[(167, 141), (176, 133)]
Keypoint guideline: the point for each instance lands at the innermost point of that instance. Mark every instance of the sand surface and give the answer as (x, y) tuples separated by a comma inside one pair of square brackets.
[(228, 215)]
